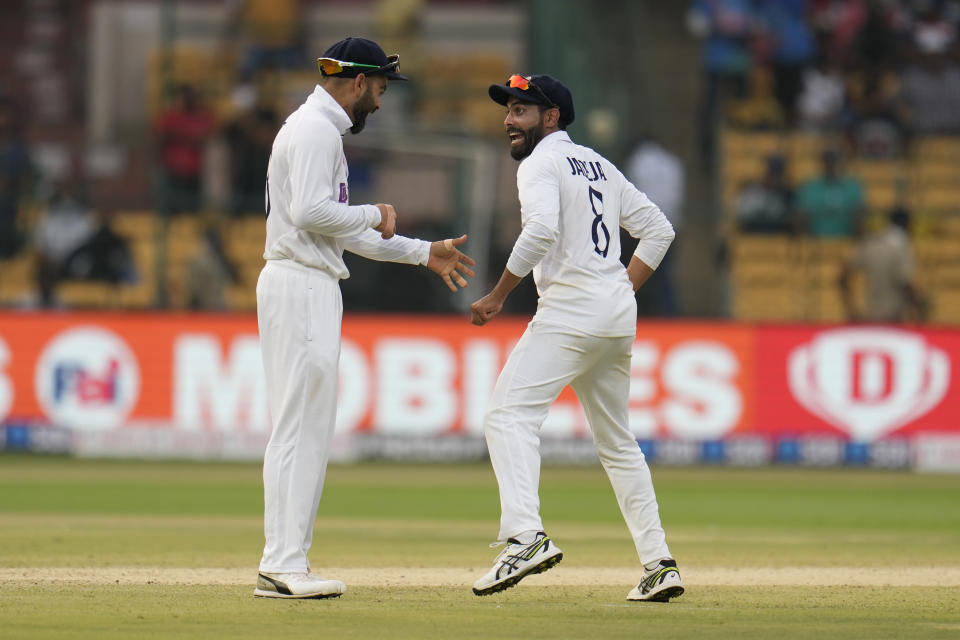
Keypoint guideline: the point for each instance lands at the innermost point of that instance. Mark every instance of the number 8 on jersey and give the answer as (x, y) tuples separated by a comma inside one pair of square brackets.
[(596, 203)]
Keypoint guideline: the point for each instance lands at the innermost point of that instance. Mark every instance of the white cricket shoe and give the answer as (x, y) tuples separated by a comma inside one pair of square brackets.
[(659, 584), (516, 561), (297, 585)]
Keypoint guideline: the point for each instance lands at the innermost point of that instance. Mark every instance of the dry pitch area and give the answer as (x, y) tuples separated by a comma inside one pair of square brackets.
[(169, 550), (400, 577)]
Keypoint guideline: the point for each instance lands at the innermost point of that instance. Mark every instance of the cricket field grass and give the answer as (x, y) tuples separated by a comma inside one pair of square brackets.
[(136, 549)]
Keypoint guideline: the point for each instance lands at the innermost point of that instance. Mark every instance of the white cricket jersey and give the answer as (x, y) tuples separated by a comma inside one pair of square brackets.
[(572, 203), (309, 218)]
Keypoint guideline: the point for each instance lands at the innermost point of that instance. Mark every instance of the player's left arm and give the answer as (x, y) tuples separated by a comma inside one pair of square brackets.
[(638, 272), (442, 257), (644, 220)]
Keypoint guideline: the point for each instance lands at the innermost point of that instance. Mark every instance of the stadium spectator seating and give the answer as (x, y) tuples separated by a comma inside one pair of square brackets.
[(794, 278)]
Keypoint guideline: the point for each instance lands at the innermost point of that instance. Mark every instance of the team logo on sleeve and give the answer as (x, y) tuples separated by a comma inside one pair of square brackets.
[(343, 193)]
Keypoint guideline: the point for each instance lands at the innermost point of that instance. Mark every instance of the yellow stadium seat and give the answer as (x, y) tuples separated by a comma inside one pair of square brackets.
[(741, 143), (87, 295), (241, 298), (801, 169), (186, 225), (879, 171), (138, 296), (211, 70), (764, 274), (16, 279), (945, 306), (135, 225), (767, 247), (807, 144), (883, 196), (941, 147), (940, 198), (935, 170), (818, 249), (765, 304), (825, 304)]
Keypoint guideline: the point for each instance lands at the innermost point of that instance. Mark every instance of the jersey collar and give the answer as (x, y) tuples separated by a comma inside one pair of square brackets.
[(324, 102), (552, 139)]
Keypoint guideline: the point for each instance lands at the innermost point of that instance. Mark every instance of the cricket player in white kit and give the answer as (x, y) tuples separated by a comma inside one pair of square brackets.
[(299, 307), (572, 201)]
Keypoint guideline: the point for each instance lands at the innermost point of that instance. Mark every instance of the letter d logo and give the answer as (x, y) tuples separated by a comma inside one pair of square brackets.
[(868, 382)]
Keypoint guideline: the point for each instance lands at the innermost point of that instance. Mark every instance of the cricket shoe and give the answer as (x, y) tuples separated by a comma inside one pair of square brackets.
[(659, 584), (297, 585), (516, 561)]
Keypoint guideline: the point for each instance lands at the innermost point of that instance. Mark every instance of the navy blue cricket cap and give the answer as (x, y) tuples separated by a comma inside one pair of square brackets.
[(540, 89), (352, 56)]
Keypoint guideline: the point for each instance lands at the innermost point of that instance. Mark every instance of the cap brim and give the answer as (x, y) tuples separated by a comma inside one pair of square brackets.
[(393, 75), (501, 93)]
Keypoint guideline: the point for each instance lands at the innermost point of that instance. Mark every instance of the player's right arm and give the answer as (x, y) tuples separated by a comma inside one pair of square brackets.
[(483, 310), (538, 186), (314, 155)]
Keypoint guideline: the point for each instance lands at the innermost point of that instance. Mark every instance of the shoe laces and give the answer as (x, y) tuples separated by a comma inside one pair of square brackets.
[(512, 548), (503, 552), (515, 542)]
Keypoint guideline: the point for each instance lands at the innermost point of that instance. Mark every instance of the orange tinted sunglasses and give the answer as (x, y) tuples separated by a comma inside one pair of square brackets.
[(330, 66), (524, 83)]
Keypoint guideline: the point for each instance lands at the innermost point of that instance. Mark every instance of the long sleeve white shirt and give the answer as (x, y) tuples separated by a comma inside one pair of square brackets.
[(309, 218), (572, 203)]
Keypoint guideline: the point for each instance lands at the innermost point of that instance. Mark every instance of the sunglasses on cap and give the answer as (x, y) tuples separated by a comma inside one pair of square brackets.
[(331, 67), (524, 83)]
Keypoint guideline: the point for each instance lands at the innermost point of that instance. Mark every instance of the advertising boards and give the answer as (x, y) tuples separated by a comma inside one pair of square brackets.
[(169, 384)]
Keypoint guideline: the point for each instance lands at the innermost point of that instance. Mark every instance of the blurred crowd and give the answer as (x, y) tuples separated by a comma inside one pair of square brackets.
[(878, 71), (207, 141), (870, 76)]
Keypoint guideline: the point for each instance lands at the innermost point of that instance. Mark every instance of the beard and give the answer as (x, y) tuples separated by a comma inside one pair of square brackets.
[(531, 137), (363, 107)]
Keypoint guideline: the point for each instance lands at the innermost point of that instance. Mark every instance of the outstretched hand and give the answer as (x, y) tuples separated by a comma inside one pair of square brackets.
[(450, 263)]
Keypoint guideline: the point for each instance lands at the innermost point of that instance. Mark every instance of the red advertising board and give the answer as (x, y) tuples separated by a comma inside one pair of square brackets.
[(859, 382), (431, 375)]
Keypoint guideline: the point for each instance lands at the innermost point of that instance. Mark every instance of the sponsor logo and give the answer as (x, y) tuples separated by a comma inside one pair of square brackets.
[(87, 378), (343, 192), (868, 382)]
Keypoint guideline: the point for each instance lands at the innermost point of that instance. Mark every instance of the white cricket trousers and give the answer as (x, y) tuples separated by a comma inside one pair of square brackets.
[(546, 359), (299, 311)]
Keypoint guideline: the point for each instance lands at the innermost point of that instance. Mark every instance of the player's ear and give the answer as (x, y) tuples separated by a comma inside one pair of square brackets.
[(359, 84), (551, 117)]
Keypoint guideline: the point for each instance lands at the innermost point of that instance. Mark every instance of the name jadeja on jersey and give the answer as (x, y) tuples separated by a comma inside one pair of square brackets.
[(592, 171)]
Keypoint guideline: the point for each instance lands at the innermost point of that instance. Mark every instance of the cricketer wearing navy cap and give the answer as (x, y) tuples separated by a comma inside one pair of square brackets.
[(356, 60), (353, 56), (573, 202), (309, 224), (542, 90)]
